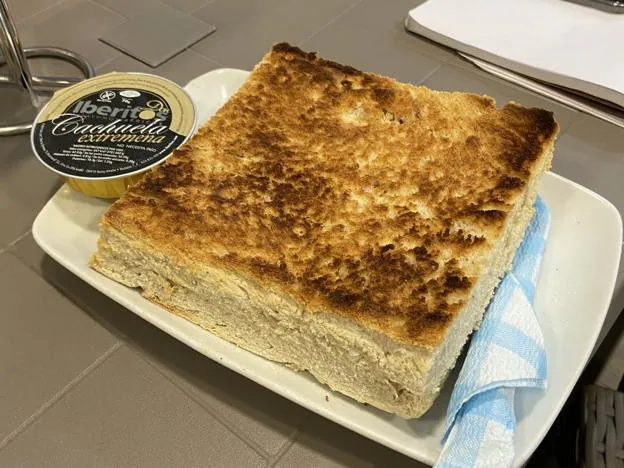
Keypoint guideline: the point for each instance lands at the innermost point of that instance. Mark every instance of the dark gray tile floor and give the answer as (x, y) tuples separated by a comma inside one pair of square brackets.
[(246, 29), (83, 382), (158, 35)]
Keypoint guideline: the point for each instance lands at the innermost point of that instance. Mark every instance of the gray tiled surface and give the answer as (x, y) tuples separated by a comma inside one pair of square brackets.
[(126, 413), (20, 10), (266, 421), (45, 342), (316, 447), (129, 9), (353, 37), (73, 24), (13, 102), (246, 29), (24, 187), (132, 9), (181, 68), (158, 35), (90, 383)]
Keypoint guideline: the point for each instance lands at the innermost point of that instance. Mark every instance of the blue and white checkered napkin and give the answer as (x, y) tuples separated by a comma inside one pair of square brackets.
[(505, 353)]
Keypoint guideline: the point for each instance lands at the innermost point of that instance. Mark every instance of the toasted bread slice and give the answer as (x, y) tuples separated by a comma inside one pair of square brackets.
[(337, 221)]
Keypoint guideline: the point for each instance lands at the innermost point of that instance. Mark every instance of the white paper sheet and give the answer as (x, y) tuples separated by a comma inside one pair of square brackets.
[(552, 40)]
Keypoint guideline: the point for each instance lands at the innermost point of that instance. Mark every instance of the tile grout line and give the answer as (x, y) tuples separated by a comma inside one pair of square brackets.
[(330, 22), (110, 60), (60, 394), (577, 115), (119, 54), (333, 20), (430, 74), (189, 13), (218, 416), (443, 61), (192, 12), (104, 7), (46, 8), (214, 413), (18, 238), (7, 247), (208, 56), (285, 448), (190, 49)]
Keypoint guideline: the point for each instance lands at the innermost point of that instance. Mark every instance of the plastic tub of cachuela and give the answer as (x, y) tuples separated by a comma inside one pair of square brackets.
[(102, 134)]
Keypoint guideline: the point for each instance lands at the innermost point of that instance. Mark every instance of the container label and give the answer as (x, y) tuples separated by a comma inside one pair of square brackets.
[(114, 125)]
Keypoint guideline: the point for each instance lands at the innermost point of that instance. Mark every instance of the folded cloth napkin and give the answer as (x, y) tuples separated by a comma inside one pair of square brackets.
[(505, 353)]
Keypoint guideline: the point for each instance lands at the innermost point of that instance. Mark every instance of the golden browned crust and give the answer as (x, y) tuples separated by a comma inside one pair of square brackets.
[(347, 191)]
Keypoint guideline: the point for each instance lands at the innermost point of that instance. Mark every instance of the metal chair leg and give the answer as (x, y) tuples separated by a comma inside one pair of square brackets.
[(52, 83), (15, 57)]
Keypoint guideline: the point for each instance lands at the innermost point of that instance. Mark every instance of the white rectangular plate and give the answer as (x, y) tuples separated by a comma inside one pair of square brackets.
[(574, 291)]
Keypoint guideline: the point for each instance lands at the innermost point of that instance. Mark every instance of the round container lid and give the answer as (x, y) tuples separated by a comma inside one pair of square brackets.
[(112, 126)]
